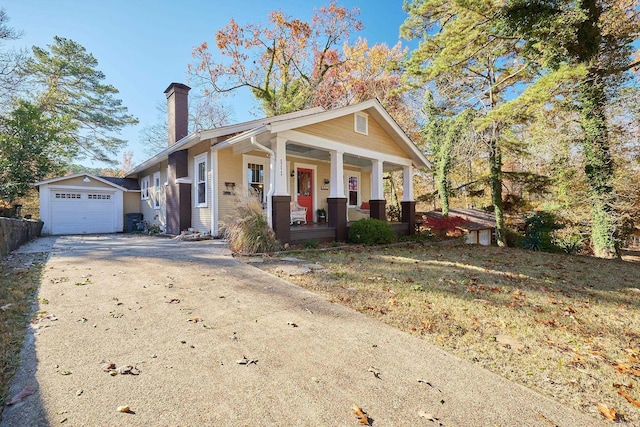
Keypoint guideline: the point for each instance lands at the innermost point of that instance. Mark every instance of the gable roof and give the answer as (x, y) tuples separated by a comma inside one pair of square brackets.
[(124, 184), (242, 131)]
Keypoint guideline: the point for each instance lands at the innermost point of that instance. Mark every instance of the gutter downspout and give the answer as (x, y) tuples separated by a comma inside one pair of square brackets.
[(272, 176)]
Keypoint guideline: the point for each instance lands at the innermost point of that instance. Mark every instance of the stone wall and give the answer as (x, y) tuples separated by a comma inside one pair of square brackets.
[(16, 232)]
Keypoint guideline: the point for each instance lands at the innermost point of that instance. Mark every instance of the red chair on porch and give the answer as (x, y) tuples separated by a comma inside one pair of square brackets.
[(298, 213)]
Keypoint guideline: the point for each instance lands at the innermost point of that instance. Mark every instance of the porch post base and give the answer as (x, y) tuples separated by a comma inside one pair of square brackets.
[(281, 218), (409, 216), (378, 209), (337, 213)]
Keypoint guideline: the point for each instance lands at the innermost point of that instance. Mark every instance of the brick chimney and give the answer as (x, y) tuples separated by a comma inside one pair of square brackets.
[(177, 111)]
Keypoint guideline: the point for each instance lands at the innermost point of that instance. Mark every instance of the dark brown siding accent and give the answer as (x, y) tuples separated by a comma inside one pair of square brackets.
[(337, 212), (378, 209)]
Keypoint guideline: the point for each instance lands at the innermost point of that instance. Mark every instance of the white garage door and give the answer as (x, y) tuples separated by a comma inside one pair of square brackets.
[(82, 212)]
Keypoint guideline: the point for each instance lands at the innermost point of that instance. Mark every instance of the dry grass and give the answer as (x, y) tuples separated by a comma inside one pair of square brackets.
[(567, 326), (20, 277)]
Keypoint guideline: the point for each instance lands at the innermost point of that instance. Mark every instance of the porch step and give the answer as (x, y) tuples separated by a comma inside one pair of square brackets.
[(303, 234)]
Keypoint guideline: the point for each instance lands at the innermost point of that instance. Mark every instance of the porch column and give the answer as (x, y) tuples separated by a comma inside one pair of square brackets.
[(377, 203), (281, 214), (337, 202), (280, 201), (279, 146), (408, 204)]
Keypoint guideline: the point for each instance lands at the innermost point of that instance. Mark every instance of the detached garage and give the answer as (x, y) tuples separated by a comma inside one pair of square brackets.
[(87, 204)]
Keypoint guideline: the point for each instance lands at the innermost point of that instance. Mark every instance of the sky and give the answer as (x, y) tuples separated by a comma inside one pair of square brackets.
[(142, 45)]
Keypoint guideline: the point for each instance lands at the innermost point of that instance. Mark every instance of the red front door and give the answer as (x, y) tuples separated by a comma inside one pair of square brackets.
[(305, 191)]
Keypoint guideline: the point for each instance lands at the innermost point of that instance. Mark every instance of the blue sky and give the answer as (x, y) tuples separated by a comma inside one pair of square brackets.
[(143, 45)]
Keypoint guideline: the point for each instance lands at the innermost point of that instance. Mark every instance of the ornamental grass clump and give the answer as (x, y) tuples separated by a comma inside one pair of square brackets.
[(250, 232), (370, 231)]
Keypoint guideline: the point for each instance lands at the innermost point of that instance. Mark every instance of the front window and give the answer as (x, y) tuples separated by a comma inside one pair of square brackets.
[(200, 164), (255, 179), (156, 190), (144, 188)]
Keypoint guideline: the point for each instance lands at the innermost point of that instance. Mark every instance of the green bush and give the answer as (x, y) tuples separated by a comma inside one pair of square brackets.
[(539, 229), (311, 244), (371, 231), (513, 238), (250, 232)]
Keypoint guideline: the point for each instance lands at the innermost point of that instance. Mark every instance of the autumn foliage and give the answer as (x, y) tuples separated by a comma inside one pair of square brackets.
[(291, 64), (444, 225)]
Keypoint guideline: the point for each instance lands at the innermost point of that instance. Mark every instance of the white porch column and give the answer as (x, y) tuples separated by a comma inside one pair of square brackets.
[(377, 189), (336, 188), (279, 146), (407, 184)]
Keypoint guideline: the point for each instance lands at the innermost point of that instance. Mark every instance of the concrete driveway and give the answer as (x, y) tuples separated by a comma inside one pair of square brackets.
[(196, 338)]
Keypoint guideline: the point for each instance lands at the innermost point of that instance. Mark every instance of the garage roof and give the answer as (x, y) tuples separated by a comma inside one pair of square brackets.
[(124, 184)]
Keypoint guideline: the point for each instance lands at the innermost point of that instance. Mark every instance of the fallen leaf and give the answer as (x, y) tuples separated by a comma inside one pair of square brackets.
[(26, 391), (629, 398), (363, 418), (547, 420), (124, 409), (195, 319), (174, 301), (608, 413), (108, 367), (427, 416), (247, 361), (5, 307), (375, 372), (65, 372), (293, 325), (508, 341)]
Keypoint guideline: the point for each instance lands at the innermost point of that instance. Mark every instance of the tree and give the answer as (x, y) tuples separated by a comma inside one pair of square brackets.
[(10, 62), (441, 135), (68, 86), (206, 112), (470, 67), (283, 64), (594, 39), (32, 146)]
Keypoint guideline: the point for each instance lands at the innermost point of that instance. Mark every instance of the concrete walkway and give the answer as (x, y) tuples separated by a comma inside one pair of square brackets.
[(196, 338)]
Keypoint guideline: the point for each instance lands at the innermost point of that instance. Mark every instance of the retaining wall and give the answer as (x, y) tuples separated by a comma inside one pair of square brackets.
[(16, 232)]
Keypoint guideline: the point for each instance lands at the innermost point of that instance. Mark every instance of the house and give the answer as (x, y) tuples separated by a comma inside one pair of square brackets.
[(479, 226), (329, 159)]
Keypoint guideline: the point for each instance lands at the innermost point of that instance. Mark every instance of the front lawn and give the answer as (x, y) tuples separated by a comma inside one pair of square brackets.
[(566, 326)]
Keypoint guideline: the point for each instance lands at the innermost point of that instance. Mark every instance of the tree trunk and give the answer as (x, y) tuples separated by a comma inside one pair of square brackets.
[(598, 166), (495, 181)]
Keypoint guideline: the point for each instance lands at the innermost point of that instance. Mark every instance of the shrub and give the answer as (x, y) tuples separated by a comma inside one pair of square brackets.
[(311, 244), (444, 225), (370, 231), (538, 232), (513, 238), (250, 232)]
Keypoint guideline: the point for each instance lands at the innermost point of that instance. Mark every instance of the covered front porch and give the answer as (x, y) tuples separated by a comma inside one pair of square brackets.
[(330, 161)]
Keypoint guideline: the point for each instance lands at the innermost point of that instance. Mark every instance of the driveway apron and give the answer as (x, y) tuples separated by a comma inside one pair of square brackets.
[(183, 334)]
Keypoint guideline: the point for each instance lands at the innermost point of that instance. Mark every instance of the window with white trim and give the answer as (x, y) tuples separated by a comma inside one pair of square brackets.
[(200, 174), (156, 190), (68, 196), (144, 188), (255, 179), (361, 123)]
